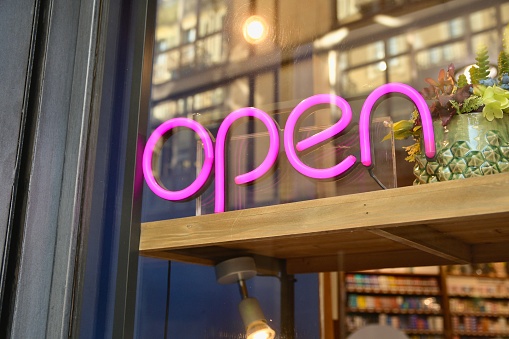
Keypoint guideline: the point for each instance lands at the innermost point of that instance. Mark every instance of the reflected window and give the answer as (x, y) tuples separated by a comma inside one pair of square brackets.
[(442, 55), (504, 13), (439, 33), (189, 37), (400, 69), (397, 45), (355, 10), (208, 107), (482, 20), (367, 53), (489, 39)]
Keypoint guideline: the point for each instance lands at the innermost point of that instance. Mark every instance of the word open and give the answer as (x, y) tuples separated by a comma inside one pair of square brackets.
[(214, 152)]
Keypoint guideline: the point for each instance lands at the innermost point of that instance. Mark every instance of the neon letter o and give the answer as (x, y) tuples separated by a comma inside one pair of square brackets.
[(202, 177)]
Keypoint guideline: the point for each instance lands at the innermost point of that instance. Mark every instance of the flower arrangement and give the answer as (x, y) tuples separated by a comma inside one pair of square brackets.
[(450, 97)]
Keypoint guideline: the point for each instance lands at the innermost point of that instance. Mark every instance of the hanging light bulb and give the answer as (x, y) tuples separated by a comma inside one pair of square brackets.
[(260, 331), (255, 29), (254, 320)]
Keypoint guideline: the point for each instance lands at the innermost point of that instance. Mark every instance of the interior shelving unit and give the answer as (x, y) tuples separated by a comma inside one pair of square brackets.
[(455, 222), (409, 302), (479, 306), (428, 306)]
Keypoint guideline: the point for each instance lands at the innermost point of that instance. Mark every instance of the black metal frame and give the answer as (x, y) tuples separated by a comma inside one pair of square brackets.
[(129, 237), (52, 46)]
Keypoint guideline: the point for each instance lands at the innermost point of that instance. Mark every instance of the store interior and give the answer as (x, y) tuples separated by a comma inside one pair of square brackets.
[(459, 301)]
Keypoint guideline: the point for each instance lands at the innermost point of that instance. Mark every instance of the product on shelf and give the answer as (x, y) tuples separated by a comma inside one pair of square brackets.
[(395, 303), (407, 323), (477, 286), (407, 302), (388, 283), (479, 306), (479, 300)]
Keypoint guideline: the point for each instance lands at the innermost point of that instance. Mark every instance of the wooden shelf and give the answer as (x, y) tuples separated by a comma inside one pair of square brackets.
[(456, 222), (412, 331), (477, 295), (395, 291), (480, 314), (481, 277), (422, 332), (392, 311), (480, 333)]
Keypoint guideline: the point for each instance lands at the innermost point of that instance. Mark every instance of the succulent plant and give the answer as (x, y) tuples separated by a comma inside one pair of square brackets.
[(443, 91)]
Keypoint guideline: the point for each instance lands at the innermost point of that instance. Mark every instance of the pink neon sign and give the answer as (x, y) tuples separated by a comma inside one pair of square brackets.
[(289, 142)]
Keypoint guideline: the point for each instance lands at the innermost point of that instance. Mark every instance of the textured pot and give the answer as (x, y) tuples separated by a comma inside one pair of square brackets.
[(468, 146)]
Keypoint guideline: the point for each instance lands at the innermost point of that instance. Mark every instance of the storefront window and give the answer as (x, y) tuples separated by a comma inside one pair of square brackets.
[(207, 64)]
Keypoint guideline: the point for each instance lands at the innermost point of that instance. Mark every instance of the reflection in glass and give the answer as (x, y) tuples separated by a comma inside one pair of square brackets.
[(362, 80), (504, 12), (397, 45), (437, 33), (400, 69), (490, 40), (204, 69), (482, 20), (366, 53), (188, 36), (442, 55)]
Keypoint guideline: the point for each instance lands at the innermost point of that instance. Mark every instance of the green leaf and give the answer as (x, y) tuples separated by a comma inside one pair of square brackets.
[(483, 63), (474, 78), (471, 104), (456, 106), (503, 64), (402, 130), (492, 111), (462, 81), (479, 90)]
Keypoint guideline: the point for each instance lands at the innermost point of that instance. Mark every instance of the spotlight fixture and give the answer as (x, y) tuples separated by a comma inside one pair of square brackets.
[(238, 270), (255, 29)]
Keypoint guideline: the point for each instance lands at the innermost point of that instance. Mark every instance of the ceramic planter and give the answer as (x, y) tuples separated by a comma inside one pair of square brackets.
[(468, 146)]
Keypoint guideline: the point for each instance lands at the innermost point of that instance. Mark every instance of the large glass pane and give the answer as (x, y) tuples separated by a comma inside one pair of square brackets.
[(242, 70)]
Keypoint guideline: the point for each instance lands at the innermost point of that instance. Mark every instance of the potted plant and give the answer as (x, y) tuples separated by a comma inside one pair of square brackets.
[(471, 123)]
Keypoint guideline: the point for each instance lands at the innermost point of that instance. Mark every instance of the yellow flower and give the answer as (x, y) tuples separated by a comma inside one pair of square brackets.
[(412, 151), (495, 100)]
